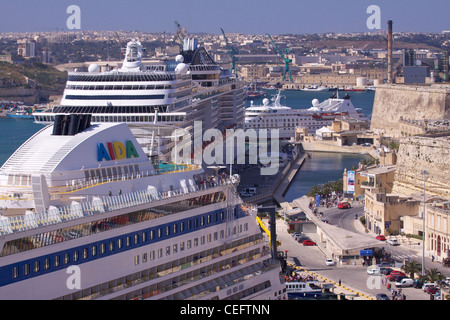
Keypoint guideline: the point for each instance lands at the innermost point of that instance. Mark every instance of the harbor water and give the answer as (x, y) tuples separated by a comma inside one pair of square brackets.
[(320, 168)]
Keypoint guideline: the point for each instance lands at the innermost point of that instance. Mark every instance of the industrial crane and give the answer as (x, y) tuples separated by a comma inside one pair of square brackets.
[(180, 33), (232, 51), (287, 61)]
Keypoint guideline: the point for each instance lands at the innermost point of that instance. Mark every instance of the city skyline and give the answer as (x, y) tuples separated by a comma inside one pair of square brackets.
[(208, 16)]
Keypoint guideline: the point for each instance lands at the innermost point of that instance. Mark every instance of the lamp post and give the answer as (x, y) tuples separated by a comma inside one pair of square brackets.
[(425, 175)]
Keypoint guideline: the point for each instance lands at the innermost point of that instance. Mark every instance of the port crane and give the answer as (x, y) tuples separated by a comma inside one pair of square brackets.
[(286, 60), (232, 51), (180, 33)]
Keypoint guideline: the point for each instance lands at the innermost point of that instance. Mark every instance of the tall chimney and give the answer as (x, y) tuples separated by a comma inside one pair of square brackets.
[(389, 51)]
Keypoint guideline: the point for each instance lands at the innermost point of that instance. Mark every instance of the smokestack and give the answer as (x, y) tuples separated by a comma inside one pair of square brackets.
[(389, 51)]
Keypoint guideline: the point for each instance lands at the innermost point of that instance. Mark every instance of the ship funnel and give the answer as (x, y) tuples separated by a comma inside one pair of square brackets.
[(70, 125)]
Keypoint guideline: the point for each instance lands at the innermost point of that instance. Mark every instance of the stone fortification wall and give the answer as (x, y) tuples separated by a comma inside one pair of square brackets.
[(394, 102), (423, 153)]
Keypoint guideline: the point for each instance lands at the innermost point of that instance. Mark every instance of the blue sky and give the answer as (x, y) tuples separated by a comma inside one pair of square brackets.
[(244, 16)]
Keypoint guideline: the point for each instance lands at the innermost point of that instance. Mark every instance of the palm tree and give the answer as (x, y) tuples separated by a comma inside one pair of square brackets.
[(412, 267)]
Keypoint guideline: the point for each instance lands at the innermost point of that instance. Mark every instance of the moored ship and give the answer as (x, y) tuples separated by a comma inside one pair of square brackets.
[(153, 98), (287, 119)]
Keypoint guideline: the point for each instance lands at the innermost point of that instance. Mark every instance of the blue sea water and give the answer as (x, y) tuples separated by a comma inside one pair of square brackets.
[(320, 168), (14, 132)]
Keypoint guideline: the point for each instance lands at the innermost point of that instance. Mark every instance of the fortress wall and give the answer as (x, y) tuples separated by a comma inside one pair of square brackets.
[(423, 153), (409, 102)]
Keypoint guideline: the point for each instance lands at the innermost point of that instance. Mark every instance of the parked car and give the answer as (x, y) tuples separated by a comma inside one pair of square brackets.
[(373, 270), (427, 285), (393, 242), (382, 296), (447, 281), (302, 238), (432, 290), (381, 237), (396, 276), (418, 284), (343, 205), (309, 243), (330, 262), (405, 282), (385, 271), (384, 264)]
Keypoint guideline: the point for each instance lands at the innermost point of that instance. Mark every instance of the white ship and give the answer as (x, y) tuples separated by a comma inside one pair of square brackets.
[(316, 88), (287, 119), (154, 98), (86, 215)]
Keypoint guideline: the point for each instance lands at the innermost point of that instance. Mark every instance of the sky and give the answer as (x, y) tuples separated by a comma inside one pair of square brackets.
[(234, 16)]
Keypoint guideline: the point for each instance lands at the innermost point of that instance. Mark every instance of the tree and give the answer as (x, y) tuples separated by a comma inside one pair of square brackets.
[(433, 275), (412, 267)]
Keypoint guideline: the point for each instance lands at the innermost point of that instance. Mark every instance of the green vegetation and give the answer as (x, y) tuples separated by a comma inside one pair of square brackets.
[(45, 76), (412, 267), (326, 188)]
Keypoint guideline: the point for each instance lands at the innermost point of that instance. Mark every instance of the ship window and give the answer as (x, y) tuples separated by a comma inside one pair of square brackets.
[(66, 258), (36, 266), (26, 269), (181, 246), (85, 253), (75, 256), (15, 272), (56, 263), (94, 251), (168, 251)]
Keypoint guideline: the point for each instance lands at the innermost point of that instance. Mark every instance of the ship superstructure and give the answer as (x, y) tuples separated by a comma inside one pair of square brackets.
[(86, 215), (155, 98)]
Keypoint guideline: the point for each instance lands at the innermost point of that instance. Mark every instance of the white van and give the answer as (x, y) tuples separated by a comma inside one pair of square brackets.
[(405, 282)]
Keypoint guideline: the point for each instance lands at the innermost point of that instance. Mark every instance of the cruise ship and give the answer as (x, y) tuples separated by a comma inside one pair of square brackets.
[(154, 98), (85, 214), (286, 119)]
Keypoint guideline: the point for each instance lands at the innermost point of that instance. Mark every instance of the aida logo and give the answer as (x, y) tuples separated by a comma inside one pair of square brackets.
[(116, 151)]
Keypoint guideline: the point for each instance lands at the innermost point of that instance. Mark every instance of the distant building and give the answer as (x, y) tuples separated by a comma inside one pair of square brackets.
[(416, 74), (26, 48)]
